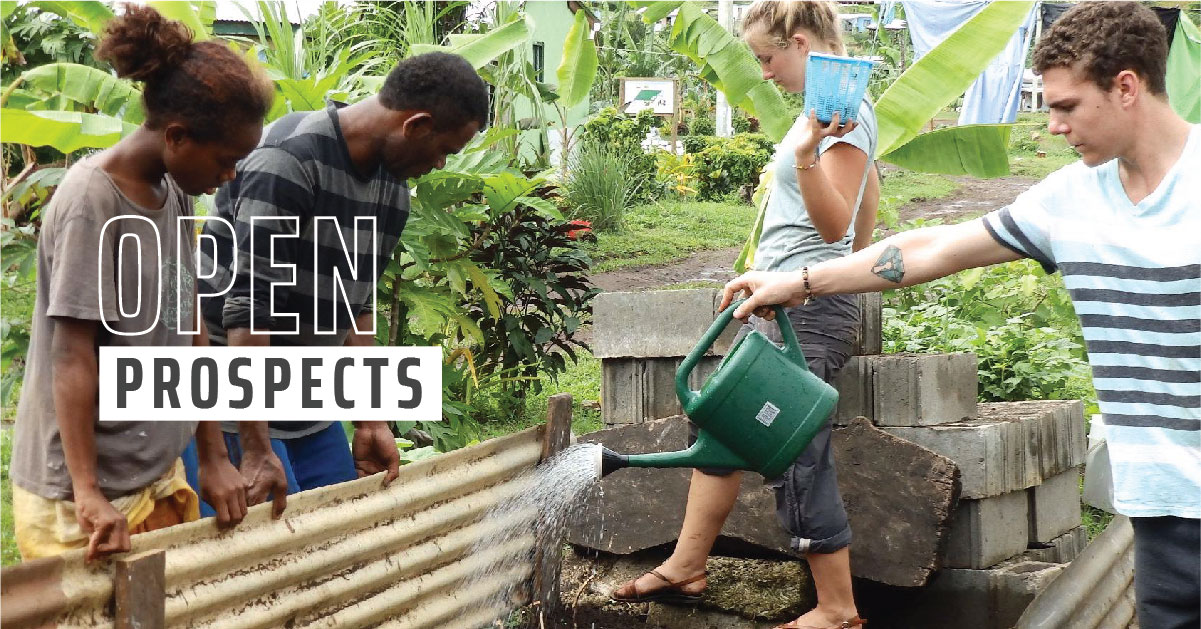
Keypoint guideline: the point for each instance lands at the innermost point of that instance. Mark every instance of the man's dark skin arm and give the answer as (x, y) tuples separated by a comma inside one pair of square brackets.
[(75, 382), (374, 447), (261, 468)]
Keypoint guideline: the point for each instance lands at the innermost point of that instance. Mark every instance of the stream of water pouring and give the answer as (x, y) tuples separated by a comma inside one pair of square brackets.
[(540, 510)]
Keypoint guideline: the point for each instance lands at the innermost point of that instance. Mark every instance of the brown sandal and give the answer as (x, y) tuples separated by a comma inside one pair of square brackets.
[(846, 624), (670, 593)]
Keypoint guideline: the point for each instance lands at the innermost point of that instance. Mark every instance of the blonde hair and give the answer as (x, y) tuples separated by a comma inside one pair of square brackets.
[(783, 19)]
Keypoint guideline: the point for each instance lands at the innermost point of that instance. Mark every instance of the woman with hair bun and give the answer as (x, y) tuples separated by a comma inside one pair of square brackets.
[(821, 173), (110, 274)]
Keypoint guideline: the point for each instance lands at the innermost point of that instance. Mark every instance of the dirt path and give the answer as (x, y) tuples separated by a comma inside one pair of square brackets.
[(975, 197)]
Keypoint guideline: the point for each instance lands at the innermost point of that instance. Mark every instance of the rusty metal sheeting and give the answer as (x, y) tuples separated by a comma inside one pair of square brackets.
[(349, 555), (1095, 591)]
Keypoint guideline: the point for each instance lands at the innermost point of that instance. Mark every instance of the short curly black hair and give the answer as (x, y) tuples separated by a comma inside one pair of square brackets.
[(441, 83), (1105, 38)]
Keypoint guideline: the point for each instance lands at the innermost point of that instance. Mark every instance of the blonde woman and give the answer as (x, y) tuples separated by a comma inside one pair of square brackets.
[(821, 170)]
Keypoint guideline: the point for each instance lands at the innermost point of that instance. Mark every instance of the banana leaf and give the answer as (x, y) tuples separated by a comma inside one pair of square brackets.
[(7, 7), (944, 73), (1184, 66), (980, 150), (481, 50), (183, 12), (727, 64), (90, 15), (91, 87), (64, 131), (578, 68), (656, 10)]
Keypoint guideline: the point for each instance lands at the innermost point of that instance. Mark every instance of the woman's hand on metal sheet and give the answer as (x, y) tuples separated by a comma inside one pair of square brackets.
[(107, 528)]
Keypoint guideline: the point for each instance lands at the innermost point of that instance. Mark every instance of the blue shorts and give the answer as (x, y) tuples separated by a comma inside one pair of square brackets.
[(316, 460)]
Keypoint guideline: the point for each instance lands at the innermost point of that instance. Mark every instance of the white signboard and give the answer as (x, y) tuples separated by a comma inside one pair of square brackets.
[(657, 95)]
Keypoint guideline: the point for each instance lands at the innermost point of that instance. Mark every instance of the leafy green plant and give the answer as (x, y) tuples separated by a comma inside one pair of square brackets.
[(601, 183), (729, 164), (1015, 318)]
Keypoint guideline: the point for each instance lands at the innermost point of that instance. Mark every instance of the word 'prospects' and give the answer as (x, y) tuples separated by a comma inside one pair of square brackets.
[(270, 383)]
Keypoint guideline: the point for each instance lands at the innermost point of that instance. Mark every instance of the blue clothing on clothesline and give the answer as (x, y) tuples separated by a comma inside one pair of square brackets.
[(994, 96)]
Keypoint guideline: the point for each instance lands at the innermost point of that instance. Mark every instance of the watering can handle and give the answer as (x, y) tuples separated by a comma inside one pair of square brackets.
[(792, 349)]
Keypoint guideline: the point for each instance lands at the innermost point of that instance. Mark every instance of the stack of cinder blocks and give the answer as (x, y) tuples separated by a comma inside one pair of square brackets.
[(1018, 518), (641, 339)]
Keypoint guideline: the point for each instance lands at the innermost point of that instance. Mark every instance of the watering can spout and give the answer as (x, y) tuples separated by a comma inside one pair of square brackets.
[(706, 452), (610, 462)]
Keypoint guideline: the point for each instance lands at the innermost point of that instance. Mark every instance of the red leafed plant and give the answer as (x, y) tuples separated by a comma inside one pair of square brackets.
[(582, 228)]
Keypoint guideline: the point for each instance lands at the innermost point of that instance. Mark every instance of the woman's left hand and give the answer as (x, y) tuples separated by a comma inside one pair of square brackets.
[(815, 132)]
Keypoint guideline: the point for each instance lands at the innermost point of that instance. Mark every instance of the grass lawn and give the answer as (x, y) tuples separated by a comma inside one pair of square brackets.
[(1029, 137), (8, 550), (669, 230), (581, 380)]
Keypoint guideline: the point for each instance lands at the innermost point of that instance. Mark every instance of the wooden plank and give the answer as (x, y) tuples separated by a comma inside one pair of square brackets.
[(558, 425), (549, 555), (139, 591), (869, 342)]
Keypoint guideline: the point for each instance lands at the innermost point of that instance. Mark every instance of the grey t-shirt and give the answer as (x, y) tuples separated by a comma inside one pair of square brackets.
[(789, 240), (76, 268)]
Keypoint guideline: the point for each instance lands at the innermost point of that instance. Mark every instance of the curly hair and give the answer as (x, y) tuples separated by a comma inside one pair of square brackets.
[(205, 86), (1105, 38), (440, 83)]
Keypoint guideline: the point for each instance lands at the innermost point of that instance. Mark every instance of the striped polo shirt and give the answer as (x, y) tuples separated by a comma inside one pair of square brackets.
[(1134, 275), (313, 236)]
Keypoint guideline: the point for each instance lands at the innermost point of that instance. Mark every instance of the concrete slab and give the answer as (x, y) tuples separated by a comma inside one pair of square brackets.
[(655, 324), (1009, 446), (899, 499)]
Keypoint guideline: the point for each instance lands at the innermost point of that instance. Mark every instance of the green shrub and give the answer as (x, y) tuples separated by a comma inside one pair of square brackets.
[(702, 125), (624, 136), (602, 181), (696, 143), (1016, 319), (728, 164)]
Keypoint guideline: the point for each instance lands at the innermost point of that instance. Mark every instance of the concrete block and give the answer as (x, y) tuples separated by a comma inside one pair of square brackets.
[(1054, 506), (982, 599), (987, 531), (923, 390), (869, 340), (907, 389), (635, 390), (1062, 549), (1009, 446), (655, 324)]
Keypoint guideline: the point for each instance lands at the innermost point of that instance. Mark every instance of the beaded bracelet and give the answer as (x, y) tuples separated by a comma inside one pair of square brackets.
[(805, 284), (807, 167)]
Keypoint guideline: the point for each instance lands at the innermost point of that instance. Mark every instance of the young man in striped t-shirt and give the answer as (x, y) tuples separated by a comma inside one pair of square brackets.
[(343, 163), (1123, 226)]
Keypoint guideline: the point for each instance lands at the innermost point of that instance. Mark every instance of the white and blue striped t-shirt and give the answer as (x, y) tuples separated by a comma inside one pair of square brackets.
[(1134, 274)]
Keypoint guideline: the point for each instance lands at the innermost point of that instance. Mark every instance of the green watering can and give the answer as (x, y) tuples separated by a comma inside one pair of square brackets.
[(758, 411)]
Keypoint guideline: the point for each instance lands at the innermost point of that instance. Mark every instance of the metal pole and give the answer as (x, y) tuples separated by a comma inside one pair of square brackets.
[(725, 17)]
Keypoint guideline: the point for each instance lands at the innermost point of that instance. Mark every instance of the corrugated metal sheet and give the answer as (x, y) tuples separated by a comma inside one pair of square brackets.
[(349, 555), (1095, 591)]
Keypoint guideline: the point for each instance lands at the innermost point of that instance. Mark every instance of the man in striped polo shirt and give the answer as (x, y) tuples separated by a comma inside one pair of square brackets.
[(349, 163), (1123, 226)]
